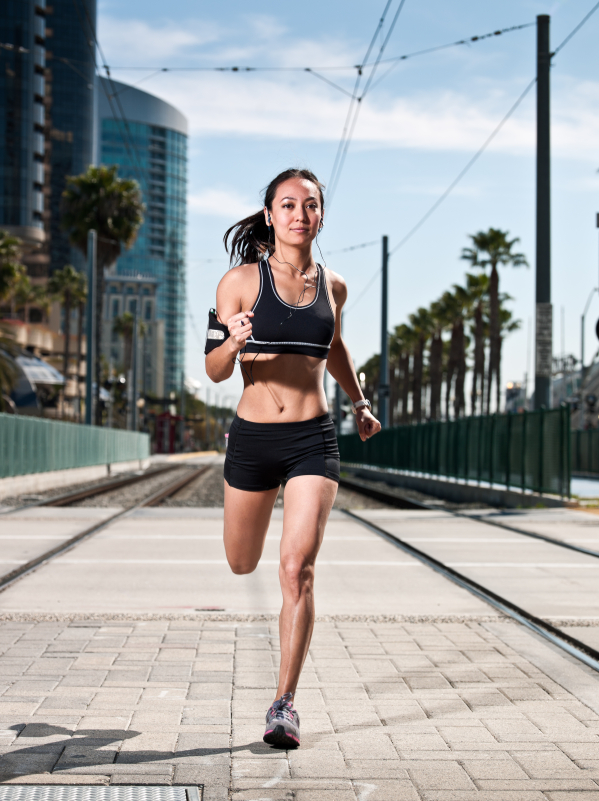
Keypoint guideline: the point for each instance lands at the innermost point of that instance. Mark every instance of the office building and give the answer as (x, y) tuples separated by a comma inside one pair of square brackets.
[(147, 139), (22, 119), (46, 121)]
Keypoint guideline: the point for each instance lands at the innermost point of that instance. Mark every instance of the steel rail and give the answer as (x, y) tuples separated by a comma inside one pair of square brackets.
[(89, 492), (573, 646), (404, 503), (151, 500)]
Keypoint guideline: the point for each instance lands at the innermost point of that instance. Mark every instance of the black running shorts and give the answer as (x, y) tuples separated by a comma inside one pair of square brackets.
[(261, 455)]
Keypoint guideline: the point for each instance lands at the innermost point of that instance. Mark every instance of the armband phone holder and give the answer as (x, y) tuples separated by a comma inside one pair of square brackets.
[(216, 333)]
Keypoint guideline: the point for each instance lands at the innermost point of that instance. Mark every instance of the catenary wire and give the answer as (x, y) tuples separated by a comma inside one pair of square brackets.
[(449, 189), (330, 68), (356, 106), (454, 183)]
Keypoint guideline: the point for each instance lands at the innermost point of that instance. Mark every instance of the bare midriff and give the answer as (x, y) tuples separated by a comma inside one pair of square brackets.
[(288, 387)]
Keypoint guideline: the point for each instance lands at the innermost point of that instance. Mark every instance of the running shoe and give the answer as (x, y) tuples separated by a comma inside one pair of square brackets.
[(282, 724)]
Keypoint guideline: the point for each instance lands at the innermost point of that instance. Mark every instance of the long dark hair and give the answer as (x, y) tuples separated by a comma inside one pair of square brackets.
[(251, 238)]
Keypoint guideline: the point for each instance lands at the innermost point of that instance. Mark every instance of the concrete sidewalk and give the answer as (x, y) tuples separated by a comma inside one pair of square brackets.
[(389, 712)]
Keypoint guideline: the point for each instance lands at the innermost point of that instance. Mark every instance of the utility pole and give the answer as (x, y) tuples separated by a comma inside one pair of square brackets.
[(182, 412), (90, 328), (338, 411), (207, 418), (135, 345), (383, 409), (544, 314)]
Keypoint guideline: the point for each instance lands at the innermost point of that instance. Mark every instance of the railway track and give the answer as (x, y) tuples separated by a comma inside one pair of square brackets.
[(571, 645), (153, 499)]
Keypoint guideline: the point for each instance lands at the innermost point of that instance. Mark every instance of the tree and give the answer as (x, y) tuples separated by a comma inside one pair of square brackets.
[(422, 326), (26, 294), (507, 325), (99, 200), (439, 323), (491, 248), (371, 370), (123, 326), (8, 369), (478, 288), (403, 341), (10, 263), (64, 285)]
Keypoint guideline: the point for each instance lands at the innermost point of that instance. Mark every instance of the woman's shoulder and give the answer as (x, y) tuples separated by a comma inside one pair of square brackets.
[(239, 275), (337, 284)]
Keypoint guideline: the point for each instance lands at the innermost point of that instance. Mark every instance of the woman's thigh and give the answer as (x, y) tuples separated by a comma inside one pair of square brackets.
[(308, 503), (247, 516)]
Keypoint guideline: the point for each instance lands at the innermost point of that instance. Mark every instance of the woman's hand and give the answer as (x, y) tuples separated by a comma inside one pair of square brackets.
[(368, 425), (240, 328)]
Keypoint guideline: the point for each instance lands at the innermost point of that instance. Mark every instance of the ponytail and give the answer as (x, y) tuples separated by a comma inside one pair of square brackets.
[(251, 238)]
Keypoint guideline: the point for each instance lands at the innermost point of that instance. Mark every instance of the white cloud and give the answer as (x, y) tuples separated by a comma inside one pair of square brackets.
[(297, 106), (221, 203), (134, 42)]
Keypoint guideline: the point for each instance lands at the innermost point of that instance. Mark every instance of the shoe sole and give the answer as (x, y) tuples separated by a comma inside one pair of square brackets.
[(279, 738)]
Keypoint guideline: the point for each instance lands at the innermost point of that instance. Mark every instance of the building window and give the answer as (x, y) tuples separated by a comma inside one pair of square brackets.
[(132, 305), (115, 308), (148, 314)]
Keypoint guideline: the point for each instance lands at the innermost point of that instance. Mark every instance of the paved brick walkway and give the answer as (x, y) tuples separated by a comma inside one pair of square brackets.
[(394, 712)]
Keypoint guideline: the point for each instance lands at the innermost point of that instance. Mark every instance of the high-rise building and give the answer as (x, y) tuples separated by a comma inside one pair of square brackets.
[(69, 101), (147, 139), (46, 120), (22, 92)]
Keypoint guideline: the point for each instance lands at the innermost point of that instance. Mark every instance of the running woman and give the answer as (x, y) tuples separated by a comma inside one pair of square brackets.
[(278, 314)]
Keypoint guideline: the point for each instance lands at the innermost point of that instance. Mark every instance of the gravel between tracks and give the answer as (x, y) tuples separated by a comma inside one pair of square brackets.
[(127, 496), (27, 497), (208, 490)]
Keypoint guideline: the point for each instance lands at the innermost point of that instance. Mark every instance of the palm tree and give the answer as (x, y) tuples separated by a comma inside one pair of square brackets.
[(8, 368), (64, 285), (27, 294), (491, 248), (404, 341), (506, 325), (439, 323), (478, 288), (10, 263), (112, 206), (123, 326), (422, 326)]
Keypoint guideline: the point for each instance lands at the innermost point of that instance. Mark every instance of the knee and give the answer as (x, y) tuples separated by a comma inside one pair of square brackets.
[(297, 576), (240, 567)]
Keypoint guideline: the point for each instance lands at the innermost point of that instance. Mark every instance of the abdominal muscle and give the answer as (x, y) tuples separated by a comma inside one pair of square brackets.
[(287, 388)]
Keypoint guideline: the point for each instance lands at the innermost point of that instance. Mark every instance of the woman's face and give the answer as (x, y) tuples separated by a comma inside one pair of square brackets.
[(296, 212)]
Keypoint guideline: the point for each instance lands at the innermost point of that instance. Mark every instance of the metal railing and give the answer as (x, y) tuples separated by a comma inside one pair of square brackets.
[(585, 452), (34, 445), (528, 451)]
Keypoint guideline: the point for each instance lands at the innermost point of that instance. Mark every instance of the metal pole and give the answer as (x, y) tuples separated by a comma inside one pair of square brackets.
[(582, 367), (543, 333), (134, 369), (383, 409), (208, 418), (182, 411), (90, 328), (338, 412)]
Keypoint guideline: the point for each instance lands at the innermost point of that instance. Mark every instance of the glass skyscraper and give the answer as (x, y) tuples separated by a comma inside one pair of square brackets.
[(70, 36), (46, 120), (147, 139), (22, 118)]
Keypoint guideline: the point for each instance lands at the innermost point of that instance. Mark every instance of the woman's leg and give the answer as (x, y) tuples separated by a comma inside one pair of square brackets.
[(247, 515), (308, 503)]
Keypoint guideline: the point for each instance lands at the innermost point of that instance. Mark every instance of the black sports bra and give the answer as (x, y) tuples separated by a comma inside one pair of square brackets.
[(278, 327)]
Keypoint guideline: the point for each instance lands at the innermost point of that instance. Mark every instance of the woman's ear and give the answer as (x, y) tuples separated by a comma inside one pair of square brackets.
[(267, 217)]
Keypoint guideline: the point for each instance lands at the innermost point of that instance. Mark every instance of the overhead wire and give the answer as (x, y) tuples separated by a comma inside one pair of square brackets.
[(355, 108), (472, 161)]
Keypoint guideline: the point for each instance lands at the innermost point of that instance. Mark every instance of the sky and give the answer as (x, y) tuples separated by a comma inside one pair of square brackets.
[(417, 129)]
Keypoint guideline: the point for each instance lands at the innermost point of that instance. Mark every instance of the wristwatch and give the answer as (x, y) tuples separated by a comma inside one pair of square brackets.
[(358, 405)]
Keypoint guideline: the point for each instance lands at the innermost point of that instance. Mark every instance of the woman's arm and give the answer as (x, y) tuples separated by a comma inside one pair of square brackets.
[(340, 364), (220, 362)]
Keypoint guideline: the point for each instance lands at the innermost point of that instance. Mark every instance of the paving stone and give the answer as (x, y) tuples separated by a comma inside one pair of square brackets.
[(440, 776)]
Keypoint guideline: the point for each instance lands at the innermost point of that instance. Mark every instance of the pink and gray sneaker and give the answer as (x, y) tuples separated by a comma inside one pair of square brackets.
[(282, 724)]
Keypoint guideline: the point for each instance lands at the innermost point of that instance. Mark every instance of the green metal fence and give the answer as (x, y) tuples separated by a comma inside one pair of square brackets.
[(33, 445), (585, 452), (528, 451)]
